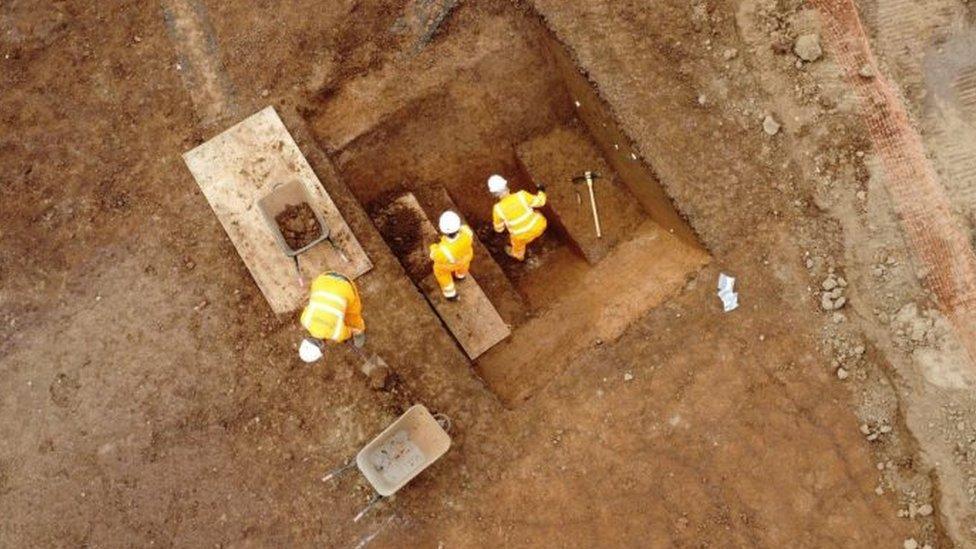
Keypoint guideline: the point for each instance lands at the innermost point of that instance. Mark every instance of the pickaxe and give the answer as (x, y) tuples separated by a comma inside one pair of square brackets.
[(588, 177)]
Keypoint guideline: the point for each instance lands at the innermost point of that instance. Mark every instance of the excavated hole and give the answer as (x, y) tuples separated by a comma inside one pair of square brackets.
[(493, 95)]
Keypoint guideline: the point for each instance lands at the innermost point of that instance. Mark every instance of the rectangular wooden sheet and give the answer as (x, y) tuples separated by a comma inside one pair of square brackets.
[(235, 170)]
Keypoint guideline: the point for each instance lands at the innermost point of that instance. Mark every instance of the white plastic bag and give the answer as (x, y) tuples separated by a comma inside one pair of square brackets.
[(726, 292)]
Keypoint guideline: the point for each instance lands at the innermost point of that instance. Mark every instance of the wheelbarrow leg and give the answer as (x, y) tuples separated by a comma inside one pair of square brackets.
[(298, 271), (376, 499)]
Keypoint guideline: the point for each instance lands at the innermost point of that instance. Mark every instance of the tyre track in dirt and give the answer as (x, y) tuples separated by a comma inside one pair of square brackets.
[(198, 60), (946, 260)]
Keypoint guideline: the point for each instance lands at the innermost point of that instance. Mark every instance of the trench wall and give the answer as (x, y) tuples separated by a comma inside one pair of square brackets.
[(614, 143)]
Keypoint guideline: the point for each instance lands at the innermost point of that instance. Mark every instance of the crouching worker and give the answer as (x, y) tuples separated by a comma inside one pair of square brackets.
[(452, 255), (334, 312), (516, 212)]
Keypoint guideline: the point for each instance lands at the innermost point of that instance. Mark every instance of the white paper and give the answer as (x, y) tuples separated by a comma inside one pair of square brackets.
[(725, 283), (729, 297), (730, 300)]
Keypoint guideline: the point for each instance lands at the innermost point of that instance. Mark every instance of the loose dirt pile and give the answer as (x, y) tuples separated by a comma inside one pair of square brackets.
[(298, 225)]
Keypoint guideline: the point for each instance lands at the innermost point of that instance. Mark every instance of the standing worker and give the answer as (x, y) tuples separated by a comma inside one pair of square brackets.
[(516, 212), (334, 312), (452, 255)]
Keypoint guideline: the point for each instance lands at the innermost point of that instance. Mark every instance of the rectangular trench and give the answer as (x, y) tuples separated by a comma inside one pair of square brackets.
[(440, 122)]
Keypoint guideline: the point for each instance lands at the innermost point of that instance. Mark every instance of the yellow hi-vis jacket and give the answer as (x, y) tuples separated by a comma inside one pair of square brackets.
[(516, 213), (454, 252), (325, 315)]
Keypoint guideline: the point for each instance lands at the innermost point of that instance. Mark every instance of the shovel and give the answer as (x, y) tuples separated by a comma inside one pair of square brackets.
[(588, 178)]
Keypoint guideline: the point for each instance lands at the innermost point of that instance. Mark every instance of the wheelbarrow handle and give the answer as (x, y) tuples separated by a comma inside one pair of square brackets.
[(339, 470), (376, 499)]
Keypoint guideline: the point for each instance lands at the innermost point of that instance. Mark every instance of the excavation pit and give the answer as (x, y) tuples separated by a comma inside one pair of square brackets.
[(499, 94)]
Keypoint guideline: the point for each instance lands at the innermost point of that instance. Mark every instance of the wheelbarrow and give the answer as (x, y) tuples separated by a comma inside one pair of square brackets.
[(401, 452), (280, 197)]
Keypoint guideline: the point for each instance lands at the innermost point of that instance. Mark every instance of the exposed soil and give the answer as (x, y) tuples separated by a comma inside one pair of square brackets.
[(149, 397), (558, 157), (401, 229), (298, 225)]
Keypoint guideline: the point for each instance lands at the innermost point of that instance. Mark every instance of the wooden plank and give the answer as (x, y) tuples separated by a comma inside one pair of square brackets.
[(509, 303), (241, 165), (473, 320), (554, 160)]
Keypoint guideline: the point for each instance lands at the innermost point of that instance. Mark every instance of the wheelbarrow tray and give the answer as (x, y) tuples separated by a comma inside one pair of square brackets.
[(408, 446), (281, 196)]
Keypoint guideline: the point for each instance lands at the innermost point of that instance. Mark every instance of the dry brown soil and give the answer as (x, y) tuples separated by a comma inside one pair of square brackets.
[(149, 397), (298, 225)]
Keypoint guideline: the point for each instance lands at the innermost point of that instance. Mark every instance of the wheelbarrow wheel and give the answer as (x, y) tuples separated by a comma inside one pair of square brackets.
[(444, 421)]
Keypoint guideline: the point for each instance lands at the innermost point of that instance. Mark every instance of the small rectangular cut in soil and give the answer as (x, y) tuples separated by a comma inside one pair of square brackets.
[(472, 319), (298, 225), (244, 164), (554, 160)]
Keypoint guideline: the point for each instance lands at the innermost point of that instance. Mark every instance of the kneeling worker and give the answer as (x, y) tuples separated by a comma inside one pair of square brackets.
[(334, 312), (452, 255), (516, 212)]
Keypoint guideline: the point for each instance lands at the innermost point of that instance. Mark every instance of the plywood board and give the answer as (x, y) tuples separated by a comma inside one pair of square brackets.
[(473, 320), (554, 160), (240, 166)]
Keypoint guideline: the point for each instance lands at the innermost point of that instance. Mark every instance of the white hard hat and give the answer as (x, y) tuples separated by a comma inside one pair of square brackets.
[(309, 351), (497, 184), (450, 222)]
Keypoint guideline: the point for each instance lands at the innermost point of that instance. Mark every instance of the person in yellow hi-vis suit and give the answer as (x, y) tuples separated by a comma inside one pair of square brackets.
[(334, 312), (516, 212), (452, 255)]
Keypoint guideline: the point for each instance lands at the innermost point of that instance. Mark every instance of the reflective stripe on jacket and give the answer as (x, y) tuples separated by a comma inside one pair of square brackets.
[(454, 251), (516, 212), (324, 316)]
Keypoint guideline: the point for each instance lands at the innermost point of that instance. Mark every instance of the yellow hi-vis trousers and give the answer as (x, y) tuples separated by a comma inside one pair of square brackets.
[(519, 242), (516, 212), (445, 273), (452, 257)]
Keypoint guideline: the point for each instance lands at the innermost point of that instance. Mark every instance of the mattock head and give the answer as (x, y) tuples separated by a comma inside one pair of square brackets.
[(586, 175)]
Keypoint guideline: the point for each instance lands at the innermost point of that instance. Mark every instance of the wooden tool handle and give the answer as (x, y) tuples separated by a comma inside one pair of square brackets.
[(596, 216)]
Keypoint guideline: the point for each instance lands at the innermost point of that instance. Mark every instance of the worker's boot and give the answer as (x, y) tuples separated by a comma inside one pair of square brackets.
[(508, 250), (359, 339), (454, 297)]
